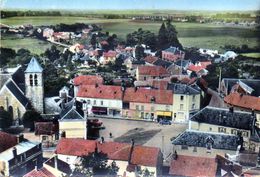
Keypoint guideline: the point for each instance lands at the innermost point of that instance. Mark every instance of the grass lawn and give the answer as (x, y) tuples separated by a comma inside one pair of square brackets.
[(34, 45), (190, 34), (253, 55)]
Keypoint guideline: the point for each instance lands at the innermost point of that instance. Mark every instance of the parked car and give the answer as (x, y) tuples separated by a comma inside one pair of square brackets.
[(165, 122)]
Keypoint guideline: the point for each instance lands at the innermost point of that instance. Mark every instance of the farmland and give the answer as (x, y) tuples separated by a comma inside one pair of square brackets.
[(190, 34)]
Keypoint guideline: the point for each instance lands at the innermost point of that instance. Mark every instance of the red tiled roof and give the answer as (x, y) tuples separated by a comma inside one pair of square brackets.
[(201, 65), (7, 141), (87, 80), (150, 59), (43, 172), (100, 91), (193, 166), (244, 101), (160, 84), (110, 53), (152, 70), (142, 155), (46, 128), (142, 95), (104, 43)]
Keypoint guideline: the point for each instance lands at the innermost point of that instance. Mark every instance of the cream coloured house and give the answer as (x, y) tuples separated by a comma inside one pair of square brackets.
[(186, 101)]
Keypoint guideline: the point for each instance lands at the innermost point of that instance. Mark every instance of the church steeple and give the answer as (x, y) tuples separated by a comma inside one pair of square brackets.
[(34, 86)]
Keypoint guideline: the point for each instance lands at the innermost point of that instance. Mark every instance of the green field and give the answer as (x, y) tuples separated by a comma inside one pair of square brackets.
[(253, 55), (190, 34)]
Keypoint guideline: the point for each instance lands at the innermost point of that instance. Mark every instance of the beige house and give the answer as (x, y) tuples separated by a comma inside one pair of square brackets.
[(186, 101), (227, 121), (72, 122)]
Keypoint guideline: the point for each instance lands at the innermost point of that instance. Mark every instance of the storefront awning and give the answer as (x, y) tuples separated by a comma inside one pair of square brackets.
[(164, 113)]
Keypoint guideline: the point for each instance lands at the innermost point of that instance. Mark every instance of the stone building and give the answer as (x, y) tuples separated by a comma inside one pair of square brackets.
[(34, 86)]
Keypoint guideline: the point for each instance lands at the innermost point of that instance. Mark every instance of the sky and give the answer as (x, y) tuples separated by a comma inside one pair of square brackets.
[(132, 4)]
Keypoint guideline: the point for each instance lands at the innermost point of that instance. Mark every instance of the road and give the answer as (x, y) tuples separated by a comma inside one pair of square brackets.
[(145, 133)]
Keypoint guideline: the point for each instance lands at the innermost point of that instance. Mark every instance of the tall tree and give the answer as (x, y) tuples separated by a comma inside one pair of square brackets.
[(93, 40), (162, 37), (95, 164), (29, 117), (139, 52), (172, 35)]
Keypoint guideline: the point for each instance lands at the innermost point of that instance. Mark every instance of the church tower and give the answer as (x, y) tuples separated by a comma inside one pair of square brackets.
[(34, 86)]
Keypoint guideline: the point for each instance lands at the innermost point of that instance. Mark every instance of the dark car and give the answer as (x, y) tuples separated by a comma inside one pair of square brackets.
[(165, 122)]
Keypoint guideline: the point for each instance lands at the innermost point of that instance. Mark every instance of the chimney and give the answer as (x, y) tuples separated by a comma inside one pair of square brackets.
[(131, 151), (36, 168), (14, 152), (231, 109), (20, 138), (63, 134), (175, 155), (102, 140), (56, 162)]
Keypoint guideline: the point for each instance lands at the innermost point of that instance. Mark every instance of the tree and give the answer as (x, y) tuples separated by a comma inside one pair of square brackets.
[(145, 173), (5, 118), (29, 117), (139, 52), (93, 40), (6, 55), (162, 37), (53, 53), (95, 164), (172, 36)]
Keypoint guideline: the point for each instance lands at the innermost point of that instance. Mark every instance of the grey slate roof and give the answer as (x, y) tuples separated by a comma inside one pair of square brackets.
[(173, 50), (184, 89), (162, 63), (17, 93), (199, 139), (223, 117), (183, 63), (33, 66), (72, 112), (253, 83)]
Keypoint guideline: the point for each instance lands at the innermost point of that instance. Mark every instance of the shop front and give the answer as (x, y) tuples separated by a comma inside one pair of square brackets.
[(99, 110), (164, 115)]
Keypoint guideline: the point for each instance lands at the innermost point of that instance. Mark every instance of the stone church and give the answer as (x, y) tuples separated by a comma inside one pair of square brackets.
[(22, 90)]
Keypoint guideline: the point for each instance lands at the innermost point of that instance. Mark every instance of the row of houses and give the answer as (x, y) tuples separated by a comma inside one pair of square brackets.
[(174, 102)]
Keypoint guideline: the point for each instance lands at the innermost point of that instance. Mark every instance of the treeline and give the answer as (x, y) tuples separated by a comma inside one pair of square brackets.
[(242, 49), (6, 14), (232, 15)]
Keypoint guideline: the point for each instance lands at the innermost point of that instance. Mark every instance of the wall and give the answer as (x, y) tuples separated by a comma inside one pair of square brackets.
[(74, 128), (18, 108), (182, 115)]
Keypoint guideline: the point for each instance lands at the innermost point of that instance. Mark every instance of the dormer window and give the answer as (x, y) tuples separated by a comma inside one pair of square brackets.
[(31, 80)]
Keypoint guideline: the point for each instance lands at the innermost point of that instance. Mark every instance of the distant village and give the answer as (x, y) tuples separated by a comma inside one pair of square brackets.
[(212, 131)]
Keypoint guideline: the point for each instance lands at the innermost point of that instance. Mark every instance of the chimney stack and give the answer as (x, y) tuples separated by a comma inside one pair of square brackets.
[(63, 134), (231, 109), (175, 155), (20, 138), (14, 152)]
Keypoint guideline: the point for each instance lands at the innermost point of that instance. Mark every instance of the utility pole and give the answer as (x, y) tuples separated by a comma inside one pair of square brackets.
[(219, 81)]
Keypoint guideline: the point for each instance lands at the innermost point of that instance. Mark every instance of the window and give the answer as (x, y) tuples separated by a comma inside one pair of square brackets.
[(167, 108), (35, 80), (88, 101), (126, 113), (210, 129), (221, 129), (175, 115), (144, 78), (31, 80), (184, 147), (234, 131), (142, 108), (181, 106), (152, 108), (244, 133), (95, 102), (137, 107), (193, 106), (193, 98), (101, 102), (182, 97), (142, 114)]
